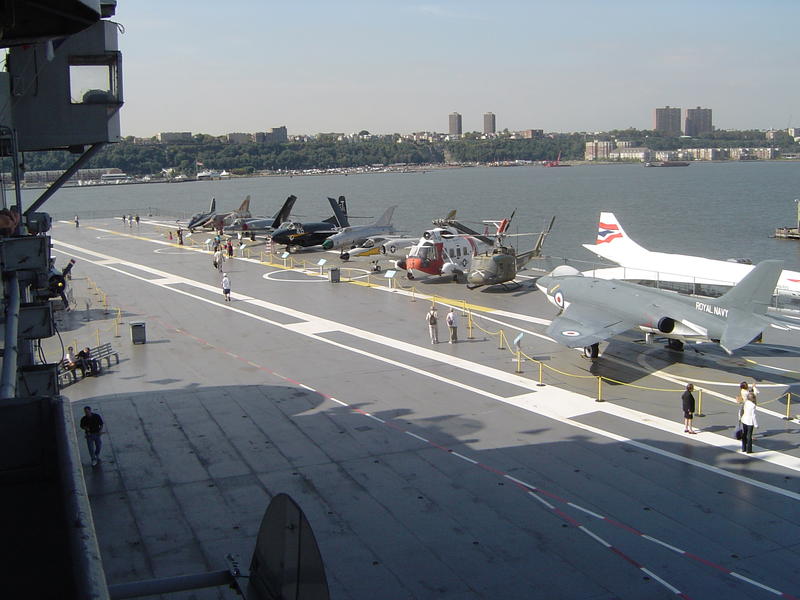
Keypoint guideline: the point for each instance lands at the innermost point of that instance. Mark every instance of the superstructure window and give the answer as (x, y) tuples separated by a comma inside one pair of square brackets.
[(95, 79)]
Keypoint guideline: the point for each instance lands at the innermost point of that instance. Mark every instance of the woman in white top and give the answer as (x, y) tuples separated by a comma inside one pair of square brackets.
[(749, 422)]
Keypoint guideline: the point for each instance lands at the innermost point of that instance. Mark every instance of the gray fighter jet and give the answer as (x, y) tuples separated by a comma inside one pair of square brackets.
[(593, 310), (349, 237)]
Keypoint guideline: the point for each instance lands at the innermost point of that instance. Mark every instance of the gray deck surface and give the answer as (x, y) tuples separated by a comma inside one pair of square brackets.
[(425, 471)]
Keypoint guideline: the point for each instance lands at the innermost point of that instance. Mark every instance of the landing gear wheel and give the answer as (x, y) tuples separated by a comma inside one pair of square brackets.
[(377, 269), (252, 237), (676, 345), (409, 274), (292, 248), (592, 351)]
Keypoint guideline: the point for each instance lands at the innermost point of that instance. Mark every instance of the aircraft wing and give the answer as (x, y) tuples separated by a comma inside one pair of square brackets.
[(581, 325)]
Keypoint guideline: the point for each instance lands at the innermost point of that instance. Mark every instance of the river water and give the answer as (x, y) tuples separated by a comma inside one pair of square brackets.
[(716, 210)]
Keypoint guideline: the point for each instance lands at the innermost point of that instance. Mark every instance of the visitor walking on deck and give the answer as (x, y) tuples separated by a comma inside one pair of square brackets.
[(432, 318), (687, 400), (452, 323), (219, 258), (226, 287), (137, 219), (92, 425), (749, 422), (77, 222)]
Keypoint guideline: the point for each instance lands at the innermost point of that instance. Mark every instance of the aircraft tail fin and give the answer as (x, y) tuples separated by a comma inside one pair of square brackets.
[(244, 207), (283, 213), (612, 242), (537, 249), (213, 207), (339, 212), (386, 218), (753, 293), (742, 329)]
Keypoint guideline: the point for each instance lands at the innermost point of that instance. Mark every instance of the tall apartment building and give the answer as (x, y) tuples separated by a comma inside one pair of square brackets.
[(489, 123), (273, 135), (698, 121), (455, 123), (598, 150), (668, 120)]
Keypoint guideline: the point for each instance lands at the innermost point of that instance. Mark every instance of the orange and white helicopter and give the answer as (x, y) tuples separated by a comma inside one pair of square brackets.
[(445, 251)]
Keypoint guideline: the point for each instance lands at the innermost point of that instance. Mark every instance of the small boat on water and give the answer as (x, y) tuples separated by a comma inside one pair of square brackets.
[(667, 163)]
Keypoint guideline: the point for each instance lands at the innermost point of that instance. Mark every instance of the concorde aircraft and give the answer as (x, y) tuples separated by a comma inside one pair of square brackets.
[(593, 310), (704, 276)]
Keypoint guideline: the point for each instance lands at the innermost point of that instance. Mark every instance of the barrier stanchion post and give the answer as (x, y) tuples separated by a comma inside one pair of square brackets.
[(519, 361), (599, 389), (699, 412), (788, 416), (469, 326), (413, 298), (501, 340), (105, 304), (541, 367)]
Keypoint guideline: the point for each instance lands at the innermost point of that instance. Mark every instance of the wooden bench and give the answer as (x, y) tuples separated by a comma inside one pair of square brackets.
[(104, 351), (67, 374)]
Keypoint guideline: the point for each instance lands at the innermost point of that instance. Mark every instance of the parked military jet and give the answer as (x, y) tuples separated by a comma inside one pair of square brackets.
[(297, 235), (216, 220), (379, 245), (251, 227), (351, 236), (593, 310), (198, 219)]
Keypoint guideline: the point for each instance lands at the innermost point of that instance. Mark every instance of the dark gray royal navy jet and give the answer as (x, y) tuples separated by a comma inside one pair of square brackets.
[(297, 235), (593, 310)]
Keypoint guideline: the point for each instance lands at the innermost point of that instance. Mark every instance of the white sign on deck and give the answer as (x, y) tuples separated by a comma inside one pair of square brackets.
[(390, 274), (518, 339), (321, 262), (285, 255)]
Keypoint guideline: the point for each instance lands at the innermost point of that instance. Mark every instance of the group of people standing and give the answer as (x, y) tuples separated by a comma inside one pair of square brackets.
[(129, 219), (451, 319), (746, 399)]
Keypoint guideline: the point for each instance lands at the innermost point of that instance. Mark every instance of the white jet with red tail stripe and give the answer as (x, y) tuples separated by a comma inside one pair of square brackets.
[(704, 276)]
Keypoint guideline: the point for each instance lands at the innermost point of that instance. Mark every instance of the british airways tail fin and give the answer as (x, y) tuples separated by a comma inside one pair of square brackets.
[(386, 218), (612, 241)]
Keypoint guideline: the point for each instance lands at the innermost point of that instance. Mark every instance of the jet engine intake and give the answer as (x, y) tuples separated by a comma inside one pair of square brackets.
[(666, 324)]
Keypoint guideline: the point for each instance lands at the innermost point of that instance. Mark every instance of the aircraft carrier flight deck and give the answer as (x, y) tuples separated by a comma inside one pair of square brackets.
[(480, 469)]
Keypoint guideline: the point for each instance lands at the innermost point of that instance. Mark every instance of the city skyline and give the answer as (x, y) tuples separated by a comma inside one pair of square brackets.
[(353, 66)]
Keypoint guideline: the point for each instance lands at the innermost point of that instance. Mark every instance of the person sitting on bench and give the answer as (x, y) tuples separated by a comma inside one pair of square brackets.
[(74, 362), (86, 356)]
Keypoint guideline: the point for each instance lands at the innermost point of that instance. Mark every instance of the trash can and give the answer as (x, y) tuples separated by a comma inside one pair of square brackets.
[(138, 334), (334, 275)]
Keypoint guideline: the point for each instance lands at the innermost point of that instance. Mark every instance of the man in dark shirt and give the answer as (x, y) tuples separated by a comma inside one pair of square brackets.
[(687, 402), (92, 425)]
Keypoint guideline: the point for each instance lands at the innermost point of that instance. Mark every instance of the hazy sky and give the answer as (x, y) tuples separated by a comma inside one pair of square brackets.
[(395, 66)]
